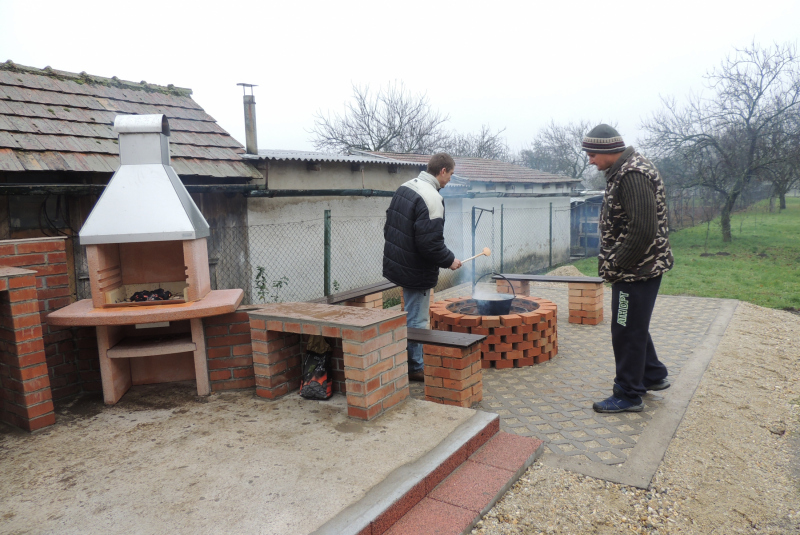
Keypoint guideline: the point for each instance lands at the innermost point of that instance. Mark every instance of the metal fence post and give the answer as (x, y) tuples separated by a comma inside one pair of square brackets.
[(551, 234), (473, 246), (327, 268), (501, 238)]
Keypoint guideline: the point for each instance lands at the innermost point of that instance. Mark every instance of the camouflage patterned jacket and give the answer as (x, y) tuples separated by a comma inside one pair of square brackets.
[(657, 259)]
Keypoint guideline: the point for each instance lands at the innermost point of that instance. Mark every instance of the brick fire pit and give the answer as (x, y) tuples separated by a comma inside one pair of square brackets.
[(526, 336)]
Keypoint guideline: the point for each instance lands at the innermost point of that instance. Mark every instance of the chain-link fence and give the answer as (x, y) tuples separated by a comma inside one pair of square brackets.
[(300, 260), (692, 206), (291, 261)]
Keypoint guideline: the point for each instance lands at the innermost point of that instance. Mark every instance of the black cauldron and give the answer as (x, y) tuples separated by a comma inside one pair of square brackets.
[(493, 303)]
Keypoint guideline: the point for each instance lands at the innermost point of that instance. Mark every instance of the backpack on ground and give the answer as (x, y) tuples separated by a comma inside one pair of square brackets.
[(315, 381)]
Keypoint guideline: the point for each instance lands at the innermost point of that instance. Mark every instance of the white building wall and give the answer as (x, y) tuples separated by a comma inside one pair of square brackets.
[(525, 236)]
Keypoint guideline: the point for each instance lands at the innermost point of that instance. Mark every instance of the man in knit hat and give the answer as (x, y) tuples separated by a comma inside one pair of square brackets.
[(634, 254)]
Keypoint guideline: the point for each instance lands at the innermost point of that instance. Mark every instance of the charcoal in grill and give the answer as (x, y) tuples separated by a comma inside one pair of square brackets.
[(159, 294)]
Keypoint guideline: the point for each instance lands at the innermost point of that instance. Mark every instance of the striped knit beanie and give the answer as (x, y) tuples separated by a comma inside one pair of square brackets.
[(603, 139)]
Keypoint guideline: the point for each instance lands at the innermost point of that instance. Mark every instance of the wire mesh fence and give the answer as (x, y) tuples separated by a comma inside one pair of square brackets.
[(286, 262), (692, 206), (303, 260)]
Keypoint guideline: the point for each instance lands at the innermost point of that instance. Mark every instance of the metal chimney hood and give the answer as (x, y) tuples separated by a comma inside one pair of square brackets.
[(144, 200)]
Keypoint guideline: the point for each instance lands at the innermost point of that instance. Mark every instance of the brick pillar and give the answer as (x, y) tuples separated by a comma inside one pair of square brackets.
[(229, 349), (376, 367), (26, 400), (522, 288), (453, 375), (368, 301), (586, 302), (277, 355), (68, 358)]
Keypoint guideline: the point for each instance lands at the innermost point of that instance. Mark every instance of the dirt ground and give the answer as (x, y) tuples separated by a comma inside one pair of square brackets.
[(163, 460), (733, 465)]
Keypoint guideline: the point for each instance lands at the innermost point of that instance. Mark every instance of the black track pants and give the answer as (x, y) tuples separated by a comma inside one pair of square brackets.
[(634, 353)]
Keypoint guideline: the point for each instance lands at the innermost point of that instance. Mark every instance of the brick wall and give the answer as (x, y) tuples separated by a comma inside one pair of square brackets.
[(230, 351), (48, 258), (453, 375), (25, 394), (585, 303)]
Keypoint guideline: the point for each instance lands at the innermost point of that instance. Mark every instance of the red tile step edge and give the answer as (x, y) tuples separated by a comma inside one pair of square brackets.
[(459, 501), (448, 490)]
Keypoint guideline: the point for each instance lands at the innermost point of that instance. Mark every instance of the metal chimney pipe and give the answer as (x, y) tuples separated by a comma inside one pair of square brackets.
[(251, 141)]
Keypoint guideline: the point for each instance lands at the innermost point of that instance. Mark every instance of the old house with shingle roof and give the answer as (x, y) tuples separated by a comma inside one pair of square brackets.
[(58, 150), (500, 178)]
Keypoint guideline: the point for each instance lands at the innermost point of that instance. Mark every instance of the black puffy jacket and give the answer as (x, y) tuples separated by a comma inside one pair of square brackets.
[(414, 232)]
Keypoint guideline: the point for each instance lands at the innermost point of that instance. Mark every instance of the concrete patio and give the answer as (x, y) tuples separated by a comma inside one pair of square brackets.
[(160, 460)]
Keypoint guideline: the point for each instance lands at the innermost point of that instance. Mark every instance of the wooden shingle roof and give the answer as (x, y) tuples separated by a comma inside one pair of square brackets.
[(483, 170), (59, 121)]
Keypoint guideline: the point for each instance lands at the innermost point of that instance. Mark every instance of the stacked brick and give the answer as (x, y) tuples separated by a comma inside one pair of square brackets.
[(585, 303), (513, 340), (368, 301), (520, 288), (453, 375), (277, 355), (72, 368), (369, 360), (26, 399), (229, 350)]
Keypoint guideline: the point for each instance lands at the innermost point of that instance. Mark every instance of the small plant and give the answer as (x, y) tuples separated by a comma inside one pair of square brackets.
[(390, 302), (336, 286), (269, 290)]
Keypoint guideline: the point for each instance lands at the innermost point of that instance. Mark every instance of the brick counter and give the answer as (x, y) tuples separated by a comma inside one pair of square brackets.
[(373, 352)]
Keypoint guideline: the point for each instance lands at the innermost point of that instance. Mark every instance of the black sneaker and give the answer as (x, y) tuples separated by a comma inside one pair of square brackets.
[(615, 404), (663, 384)]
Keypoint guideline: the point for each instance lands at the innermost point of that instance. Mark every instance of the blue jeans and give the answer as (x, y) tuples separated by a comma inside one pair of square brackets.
[(417, 305)]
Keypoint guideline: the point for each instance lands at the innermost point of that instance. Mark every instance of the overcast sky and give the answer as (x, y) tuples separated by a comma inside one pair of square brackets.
[(515, 65)]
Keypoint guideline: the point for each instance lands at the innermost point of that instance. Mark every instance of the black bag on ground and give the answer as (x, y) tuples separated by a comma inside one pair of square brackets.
[(315, 383)]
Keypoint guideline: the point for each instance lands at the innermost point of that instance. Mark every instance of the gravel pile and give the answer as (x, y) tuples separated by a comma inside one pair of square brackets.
[(733, 465)]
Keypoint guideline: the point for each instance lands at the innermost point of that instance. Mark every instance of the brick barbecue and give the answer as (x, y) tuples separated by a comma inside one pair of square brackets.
[(145, 233), (527, 335)]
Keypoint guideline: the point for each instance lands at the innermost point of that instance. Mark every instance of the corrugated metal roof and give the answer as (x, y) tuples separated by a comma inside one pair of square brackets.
[(482, 170), (311, 156), (59, 121)]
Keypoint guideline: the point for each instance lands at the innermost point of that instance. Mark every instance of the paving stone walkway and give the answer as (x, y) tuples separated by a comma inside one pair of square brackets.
[(553, 401)]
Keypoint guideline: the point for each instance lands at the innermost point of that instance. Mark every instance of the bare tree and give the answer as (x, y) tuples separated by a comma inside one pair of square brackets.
[(391, 120), (484, 144), (784, 173), (557, 149), (728, 138)]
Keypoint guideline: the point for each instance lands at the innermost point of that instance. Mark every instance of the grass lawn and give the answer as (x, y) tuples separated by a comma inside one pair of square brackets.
[(761, 265)]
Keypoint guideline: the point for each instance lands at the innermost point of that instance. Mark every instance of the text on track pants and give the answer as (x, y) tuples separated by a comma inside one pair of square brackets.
[(634, 353)]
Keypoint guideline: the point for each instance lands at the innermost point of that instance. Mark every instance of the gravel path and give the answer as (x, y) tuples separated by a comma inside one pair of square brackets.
[(733, 465)]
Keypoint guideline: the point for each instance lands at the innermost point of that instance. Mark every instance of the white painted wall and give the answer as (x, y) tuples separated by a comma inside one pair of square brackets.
[(526, 232), (337, 175)]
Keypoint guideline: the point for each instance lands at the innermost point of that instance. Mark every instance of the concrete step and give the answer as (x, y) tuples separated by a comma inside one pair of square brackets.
[(467, 494), (445, 491)]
